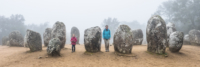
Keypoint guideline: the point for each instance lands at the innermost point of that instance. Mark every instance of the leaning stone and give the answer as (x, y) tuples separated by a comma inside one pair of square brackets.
[(123, 40), (175, 41), (54, 47), (47, 36), (59, 31), (92, 39), (34, 40), (156, 34), (75, 31), (137, 36), (16, 39), (194, 36), (170, 29)]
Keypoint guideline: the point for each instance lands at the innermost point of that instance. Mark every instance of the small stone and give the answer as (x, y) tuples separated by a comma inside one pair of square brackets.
[(175, 41), (194, 36), (54, 46), (16, 39), (39, 57), (137, 36)]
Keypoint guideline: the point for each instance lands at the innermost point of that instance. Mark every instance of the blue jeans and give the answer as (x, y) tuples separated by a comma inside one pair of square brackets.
[(73, 48)]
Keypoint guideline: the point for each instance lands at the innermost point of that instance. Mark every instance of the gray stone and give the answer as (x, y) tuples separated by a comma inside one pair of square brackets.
[(25, 41), (47, 36), (156, 34), (170, 29), (59, 31), (92, 39), (194, 36), (123, 39), (186, 40), (16, 39), (176, 41), (54, 46), (137, 36), (75, 31), (4, 40), (34, 40)]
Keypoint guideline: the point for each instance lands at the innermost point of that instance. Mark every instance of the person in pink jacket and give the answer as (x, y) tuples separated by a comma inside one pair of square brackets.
[(73, 42)]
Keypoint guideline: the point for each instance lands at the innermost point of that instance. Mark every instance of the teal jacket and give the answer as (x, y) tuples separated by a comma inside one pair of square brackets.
[(106, 34)]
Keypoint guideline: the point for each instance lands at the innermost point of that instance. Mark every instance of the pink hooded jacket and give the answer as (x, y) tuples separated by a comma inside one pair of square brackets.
[(73, 40)]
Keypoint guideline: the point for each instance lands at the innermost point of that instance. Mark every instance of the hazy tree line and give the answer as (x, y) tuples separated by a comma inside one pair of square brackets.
[(16, 22), (185, 14)]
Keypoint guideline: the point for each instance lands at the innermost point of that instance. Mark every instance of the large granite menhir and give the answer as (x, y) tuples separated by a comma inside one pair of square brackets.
[(59, 31), (47, 36), (194, 36), (54, 47), (75, 31), (92, 39), (176, 41), (16, 39), (34, 40), (137, 36), (170, 29), (156, 34), (123, 40)]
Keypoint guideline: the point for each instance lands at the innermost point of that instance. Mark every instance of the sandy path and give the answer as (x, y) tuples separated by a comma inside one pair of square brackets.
[(189, 56)]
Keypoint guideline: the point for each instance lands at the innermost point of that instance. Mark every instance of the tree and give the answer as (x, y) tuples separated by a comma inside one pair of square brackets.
[(112, 25), (184, 13)]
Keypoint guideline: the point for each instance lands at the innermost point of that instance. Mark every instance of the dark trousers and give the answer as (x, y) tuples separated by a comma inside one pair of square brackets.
[(73, 48)]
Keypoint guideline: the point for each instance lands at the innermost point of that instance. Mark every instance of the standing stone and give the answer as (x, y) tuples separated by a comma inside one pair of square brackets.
[(186, 40), (4, 40), (34, 40), (194, 36), (92, 39), (59, 31), (47, 36), (170, 29), (54, 46), (137, 36), (75, 31), (16, 39), (156, 34), (25, 41), (175, 41), (123, 39)]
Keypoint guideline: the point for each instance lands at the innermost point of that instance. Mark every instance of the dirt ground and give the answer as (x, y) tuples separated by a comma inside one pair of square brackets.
[(189, 56)]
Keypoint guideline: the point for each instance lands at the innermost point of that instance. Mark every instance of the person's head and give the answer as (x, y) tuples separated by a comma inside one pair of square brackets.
[(73, 35), (106, 26)]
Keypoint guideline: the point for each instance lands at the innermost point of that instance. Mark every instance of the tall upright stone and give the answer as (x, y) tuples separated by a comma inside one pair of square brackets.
[(76, 32), (92, 39), (34, 40), (47, 36), (194, 36), (176, 41), (170, 29), (156, 34), (123, 39), (16, 39), (137, 36), (4, 40), (59, 31)]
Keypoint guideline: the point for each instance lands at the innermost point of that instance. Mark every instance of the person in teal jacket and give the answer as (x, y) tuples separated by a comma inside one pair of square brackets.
[(106, 37)]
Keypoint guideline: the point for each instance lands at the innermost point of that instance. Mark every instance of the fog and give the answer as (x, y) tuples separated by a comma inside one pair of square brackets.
[(83, 14)]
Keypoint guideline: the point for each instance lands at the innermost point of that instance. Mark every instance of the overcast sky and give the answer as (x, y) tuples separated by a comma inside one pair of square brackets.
[(80, 13)]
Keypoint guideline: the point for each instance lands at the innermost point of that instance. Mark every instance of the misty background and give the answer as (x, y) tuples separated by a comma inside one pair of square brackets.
[(38, 15)]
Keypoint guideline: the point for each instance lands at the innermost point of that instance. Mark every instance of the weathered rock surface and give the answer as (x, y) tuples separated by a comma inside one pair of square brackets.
[(156, 34), (186, 40), (137, 36), (4, 40), (47, 36), (34, 40), (194, 36), (92, 39), (176, 41), (123, 39), (25, 41), (75, 31), (170, 29), (16, 39), (54, 47), (59, 31)]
